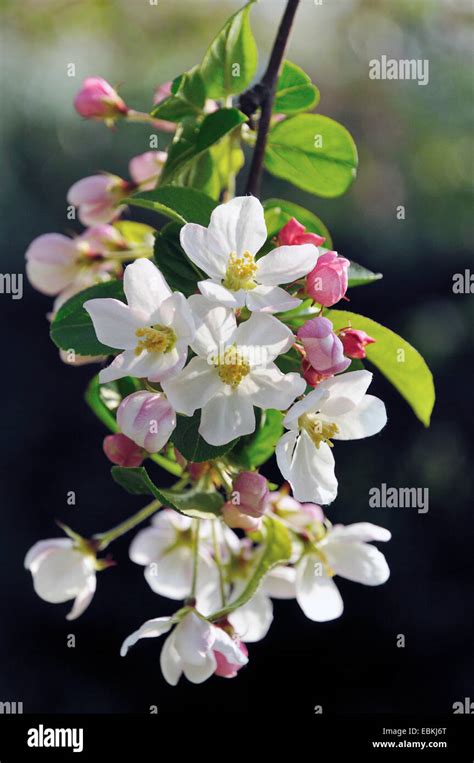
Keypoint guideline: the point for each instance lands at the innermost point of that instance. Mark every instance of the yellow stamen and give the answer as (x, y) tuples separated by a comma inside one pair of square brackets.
[(155, 339), (319, 431), (232, 366), (240, 272)]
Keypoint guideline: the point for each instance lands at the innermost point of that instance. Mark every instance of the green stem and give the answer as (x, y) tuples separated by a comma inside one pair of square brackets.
[(218, 561), (197, 524), (105, 539), (139, 116), (165, 463)]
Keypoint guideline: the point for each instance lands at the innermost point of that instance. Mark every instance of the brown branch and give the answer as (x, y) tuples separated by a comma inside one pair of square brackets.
[(262, 96)]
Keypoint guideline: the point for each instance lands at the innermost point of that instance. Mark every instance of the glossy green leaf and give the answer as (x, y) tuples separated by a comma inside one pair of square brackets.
[(299, 315), (187, 98), (180, 273), (314, 153), (253, 450), (230, 62), (191, 445), (397, 360), (184, 205), (193, 503), (136, 234), (278, 212), (295, 92), (360, 276), (72, 327), (277, 550)]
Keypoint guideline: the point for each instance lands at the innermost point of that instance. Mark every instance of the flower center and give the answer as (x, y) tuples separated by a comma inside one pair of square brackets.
[(155, 339), (232, 366), (240, 272), (319, 431), (324, 561)]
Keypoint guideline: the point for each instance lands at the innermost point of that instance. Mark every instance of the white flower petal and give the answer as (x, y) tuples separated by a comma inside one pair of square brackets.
[(215, 325), (365, 420), (84, 598), (280, 583), (226, 416), (357, 561), (311, 403), (253, 620), (228, 647), (114, 323), (216, 292), (193, 639), (171, 574), (176, 312), (362, 531), (316, 593), (144, 286), (167, 364), (203, 250), (270, 299), (197, 674), (266, 335), (286, 264), (309, 470), (239, 226), (270, 388), (150, 629), (149, 544), (144, 366), (62, 575), (193, 387), (170, 662), (345, 392), (41, 549)]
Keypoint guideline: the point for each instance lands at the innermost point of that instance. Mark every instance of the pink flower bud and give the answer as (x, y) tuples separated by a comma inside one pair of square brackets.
[(324, 350), (145, 169), (98, 100), (97, 196), (162, 92), (51, 263), (236, 519), (147, 418), (122, 451), (226, 669), (102, 239), (327, 282), (354, 342), (293, 233), (251, 492)]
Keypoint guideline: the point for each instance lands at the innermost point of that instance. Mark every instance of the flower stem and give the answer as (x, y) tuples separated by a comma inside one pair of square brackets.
[(165, 463), (116, 532), (197, 525), (218, 561)]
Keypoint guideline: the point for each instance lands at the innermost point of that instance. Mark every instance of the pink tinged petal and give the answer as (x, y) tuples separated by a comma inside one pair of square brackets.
[(145, 287), (204, 251), (218, 293), (176, 312), (121, 450), (316, 593), (147, 418), (270, 299), (270, 388), (309, 470), (226, 416), (345, 392), (150, 629), (145, 168), (291, 232), (265, 334), (215, 326), (99, 214), (280, 583), (51, 262), (193, 638), (234, 517), (90, 190), (252, 621), (193, 387), (83, 599), (359, 562), (229, 647), (361, 531), (226, 669), (43, 548), (286, 264), (365, 420), (114, 323), (239, 226), (170, 662)]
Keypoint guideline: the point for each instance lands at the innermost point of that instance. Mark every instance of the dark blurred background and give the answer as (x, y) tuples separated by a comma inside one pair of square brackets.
[(415, 150)]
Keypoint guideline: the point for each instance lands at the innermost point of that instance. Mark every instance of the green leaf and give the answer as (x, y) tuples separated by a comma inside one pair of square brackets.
[(399, 362), (277, 550), (104, 399), (299, 315), (200, 174), (253, 450), (359, 276), (184, 205), (314, 153), (230, 62), (180, 273), (278, 212), (72, 327), (191, 445), (193, 503), (137, 234), (295, 91), (187, 98)]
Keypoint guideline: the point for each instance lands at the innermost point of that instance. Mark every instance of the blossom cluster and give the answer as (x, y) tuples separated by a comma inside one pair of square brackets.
[(218, 353)]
